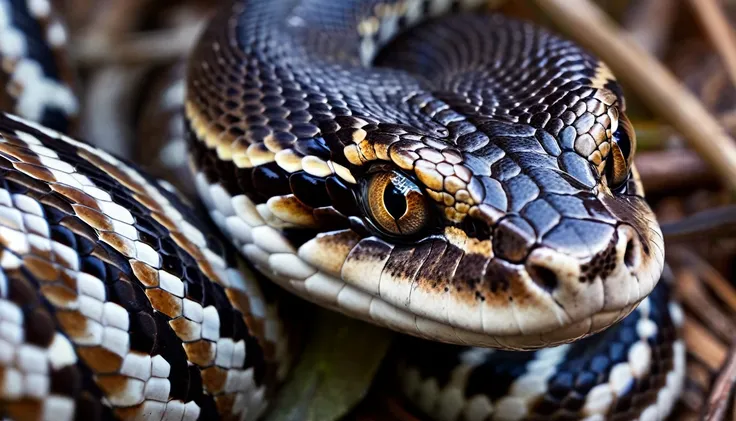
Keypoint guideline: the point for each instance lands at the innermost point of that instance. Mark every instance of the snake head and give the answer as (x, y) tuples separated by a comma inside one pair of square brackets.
[(513, 242), (512, 238), (503, 213)]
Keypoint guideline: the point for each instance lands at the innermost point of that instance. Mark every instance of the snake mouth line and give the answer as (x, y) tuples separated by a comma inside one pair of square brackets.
[(247, 224)]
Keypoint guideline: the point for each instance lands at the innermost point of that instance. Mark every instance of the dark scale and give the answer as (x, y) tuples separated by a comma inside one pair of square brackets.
[(64, 236), (313, 147), (208, 298), (185, 258), (143, 332), (172, 264), (207, 407), (343, 197), (43, 325), (298, 236), (117, 264), (501, 366), (224, 308), (169, 347), (85, 246), (129, 294), (168, 247), (195, 390), (310, 190), (194, 285), (270, 180)]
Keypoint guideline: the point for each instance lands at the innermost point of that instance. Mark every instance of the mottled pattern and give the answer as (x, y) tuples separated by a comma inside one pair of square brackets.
[(508, 131), (115, 300), (35, 79), (632, 371)]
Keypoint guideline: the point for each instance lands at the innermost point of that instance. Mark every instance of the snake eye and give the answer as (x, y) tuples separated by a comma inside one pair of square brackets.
[(620, 159), (396, 204)]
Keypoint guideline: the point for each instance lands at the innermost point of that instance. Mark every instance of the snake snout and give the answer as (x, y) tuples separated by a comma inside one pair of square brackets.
[(600, 286)]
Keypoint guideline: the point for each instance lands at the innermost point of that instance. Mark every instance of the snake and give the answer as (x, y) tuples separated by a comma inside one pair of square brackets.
[(458, 176)]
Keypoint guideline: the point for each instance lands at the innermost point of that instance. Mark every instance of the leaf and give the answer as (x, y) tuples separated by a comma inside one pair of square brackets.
[(335, 370)]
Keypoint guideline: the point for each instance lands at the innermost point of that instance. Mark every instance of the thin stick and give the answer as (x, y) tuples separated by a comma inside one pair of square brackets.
[(709, 275), (710, 223), (696, 299), (649, 78), (719, 31), (717, 403), (701, 344), (155, 46), (672, 169), (699, 378), (650, 22)]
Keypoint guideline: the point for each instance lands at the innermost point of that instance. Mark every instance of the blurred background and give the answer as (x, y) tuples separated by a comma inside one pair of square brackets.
[(130, 56)]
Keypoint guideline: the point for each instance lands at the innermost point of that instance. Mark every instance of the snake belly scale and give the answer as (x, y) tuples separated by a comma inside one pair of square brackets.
[(455, 175)]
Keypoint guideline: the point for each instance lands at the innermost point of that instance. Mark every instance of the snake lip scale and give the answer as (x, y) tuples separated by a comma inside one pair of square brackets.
[(455, 175)]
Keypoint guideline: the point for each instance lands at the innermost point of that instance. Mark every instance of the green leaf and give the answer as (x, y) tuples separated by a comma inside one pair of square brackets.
[(334, 371)]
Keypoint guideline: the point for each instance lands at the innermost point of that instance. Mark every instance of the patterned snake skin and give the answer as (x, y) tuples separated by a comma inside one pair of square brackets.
[(116, 300), (462, 178), (471, 184)]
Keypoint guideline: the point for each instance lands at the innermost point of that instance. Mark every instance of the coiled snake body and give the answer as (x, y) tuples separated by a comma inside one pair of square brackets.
[(457, 176)]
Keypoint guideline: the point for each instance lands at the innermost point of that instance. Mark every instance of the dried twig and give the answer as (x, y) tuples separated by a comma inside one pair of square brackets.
[(103, 19), (710, 223), (672, 169), (699, 375), (703, 345), (711, 277), (649, 22), (649, 78), (152, 47), (717, 404), (695, 297), (718, 29)]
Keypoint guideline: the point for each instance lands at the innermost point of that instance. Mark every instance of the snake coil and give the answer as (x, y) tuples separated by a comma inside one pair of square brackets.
[(461, 177)]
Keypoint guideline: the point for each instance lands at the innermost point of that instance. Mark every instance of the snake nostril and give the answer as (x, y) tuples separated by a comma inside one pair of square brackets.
[(631, 253), (544, 277)]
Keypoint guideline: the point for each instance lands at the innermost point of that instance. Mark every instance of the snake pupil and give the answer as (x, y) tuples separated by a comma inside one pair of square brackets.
[(394, 201), (621, 136)]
